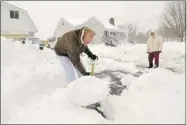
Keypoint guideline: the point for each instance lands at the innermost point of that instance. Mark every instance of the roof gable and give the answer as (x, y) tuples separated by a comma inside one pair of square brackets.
[(20, 9), (107, 25), (12, 6), (78, 21)]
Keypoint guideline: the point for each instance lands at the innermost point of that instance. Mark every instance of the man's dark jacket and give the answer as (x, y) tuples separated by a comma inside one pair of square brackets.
[(70, 45)]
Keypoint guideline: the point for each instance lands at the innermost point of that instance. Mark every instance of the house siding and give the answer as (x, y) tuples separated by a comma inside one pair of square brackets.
[(15, 26), (93, 23), (62, 29)]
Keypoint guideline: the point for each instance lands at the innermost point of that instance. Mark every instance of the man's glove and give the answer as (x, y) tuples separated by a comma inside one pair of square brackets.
[(87, 74), (93, 57)]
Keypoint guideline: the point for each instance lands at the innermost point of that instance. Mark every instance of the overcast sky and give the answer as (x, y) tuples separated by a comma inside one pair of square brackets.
[(46, 14)]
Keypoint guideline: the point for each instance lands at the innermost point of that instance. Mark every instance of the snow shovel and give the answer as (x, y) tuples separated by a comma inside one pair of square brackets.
[(93, 66)]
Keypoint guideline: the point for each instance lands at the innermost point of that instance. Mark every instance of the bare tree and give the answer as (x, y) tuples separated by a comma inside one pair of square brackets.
[(173, 22), (141, 37), (131, 32), (167, 33)]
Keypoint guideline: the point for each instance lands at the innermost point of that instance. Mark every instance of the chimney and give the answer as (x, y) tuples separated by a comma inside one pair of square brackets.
[(111, 21)]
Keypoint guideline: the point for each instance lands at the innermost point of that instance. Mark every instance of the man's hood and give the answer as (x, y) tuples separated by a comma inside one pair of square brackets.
[(79, 34)]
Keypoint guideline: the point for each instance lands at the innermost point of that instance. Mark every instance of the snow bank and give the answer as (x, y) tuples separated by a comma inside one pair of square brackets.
[(127, 80), (88, 90), (3, 38), (54, 109), (173, 56), (32, 88), (128, 56), (157, 97), (178, 47), (108, 52), (27, 74)]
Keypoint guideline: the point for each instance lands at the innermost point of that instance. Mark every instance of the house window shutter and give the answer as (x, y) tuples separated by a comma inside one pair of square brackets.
[(11, 14), (16, 14)]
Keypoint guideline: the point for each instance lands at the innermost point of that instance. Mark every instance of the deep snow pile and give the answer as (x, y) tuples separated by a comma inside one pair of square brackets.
[(32, 86), (156, 97), (81, 92)]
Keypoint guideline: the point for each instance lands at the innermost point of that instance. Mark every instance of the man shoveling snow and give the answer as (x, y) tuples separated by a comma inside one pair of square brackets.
[(68, 49)]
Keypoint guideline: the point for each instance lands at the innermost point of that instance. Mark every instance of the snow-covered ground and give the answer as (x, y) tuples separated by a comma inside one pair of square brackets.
[(32, 86)]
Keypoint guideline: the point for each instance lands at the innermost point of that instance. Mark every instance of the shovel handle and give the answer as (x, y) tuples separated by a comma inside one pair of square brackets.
[(93, 66)]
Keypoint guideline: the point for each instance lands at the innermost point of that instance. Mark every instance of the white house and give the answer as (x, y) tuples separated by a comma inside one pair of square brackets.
[(101, 29), (16, 22)]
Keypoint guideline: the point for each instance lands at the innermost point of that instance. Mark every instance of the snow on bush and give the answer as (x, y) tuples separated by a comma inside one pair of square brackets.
[(88, 90)]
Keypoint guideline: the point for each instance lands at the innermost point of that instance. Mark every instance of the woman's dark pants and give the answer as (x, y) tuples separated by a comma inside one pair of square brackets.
[(154, 55)]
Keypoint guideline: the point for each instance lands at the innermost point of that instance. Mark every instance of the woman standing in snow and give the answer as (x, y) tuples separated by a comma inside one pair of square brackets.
[(68, 49), (154, 48)]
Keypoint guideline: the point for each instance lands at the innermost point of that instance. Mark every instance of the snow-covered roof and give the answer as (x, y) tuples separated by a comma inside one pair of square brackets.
[(111, 27), (77, 21)]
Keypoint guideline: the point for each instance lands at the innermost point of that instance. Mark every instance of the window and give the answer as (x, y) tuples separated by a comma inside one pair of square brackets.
[(14, 14), (106, 33)]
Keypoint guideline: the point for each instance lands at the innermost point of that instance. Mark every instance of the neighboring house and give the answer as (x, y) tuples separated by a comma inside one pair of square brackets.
[(112, 31), (62, 27), (15, 22), (101, 29)]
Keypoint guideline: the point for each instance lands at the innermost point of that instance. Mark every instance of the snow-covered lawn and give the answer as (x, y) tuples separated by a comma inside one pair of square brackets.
[(32, 86)]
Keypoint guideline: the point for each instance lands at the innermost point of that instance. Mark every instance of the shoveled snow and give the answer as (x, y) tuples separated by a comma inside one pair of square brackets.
[(32, 84), (88, 90)]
